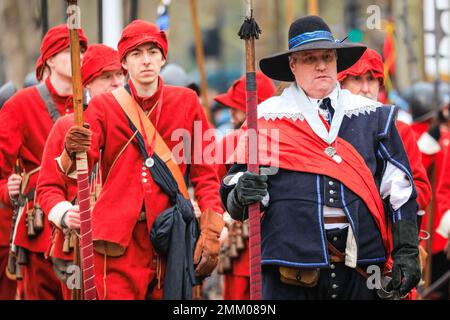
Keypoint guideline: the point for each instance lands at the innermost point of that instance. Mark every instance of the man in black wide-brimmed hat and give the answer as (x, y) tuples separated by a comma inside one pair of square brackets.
[(339, 209)]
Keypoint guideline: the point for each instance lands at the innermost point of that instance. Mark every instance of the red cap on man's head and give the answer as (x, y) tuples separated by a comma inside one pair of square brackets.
[(139, 32), (56, 39), (236, 96), (370, 61), (98, 59)]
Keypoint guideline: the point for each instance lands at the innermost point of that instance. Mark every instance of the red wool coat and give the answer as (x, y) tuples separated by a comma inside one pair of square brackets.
[(26, 124), (224, 150), (419, 173), (128, 184), (436, 159), (5, 224), (53, 186), (240, 266), (442, 190)]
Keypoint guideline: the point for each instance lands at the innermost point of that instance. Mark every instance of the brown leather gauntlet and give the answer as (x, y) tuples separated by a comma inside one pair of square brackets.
[(78, 139), (68, 165), (207, 250)]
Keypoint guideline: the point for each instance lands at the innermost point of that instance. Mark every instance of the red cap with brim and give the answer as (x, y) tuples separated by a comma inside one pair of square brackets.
[(236, 96), (56, 40), (370, 61), (140, 32), (98, 59)]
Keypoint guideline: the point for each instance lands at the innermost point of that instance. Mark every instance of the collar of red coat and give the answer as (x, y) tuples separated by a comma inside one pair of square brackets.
[(146, 103), (59, 99)]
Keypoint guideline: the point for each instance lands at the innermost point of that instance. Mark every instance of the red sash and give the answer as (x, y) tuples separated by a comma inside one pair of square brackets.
[(292, 145)]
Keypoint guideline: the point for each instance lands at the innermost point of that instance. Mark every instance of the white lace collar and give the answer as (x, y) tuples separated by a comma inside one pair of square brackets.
[(294, 104), (284, 106)]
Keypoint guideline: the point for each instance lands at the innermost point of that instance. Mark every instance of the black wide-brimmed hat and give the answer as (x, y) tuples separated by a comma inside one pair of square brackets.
[(310, 33)]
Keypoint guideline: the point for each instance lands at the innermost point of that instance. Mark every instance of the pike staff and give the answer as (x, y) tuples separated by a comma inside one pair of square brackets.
[(249, 32), (85, 237), (200, 56)]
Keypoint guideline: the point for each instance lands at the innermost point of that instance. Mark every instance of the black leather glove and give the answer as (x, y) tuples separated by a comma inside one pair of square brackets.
[(405, 254), (250, 188)]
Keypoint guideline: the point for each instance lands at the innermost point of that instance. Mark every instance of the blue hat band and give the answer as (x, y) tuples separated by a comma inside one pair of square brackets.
[(310, 37)]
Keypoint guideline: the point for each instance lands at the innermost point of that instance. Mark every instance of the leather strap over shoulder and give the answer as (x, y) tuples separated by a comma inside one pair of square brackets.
[(134, 111), (49, 102)]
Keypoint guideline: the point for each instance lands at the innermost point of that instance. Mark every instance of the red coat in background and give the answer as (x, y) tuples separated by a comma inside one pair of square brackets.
[(443, 189), (57, 186), (237, 282), (26, 124), (225, 148), (419, 173), (7, 286), (432, 156), (426, 147), (62, 189)]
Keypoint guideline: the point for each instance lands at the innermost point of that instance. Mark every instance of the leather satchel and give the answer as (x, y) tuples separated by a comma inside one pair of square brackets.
[(304, 277)]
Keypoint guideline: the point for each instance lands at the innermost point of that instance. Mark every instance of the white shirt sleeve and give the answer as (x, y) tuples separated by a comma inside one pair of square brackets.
[(396, 184), (58, 211)]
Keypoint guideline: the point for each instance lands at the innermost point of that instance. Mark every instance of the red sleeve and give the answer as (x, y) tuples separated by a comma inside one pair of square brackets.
[(227, 146), (220, 166), (96, 118), (421, 181), (11, 138), (443, 187), (4, 196), (53, 186), (203, 175)]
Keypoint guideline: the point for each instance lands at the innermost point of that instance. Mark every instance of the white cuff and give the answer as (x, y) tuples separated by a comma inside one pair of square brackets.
[(444, 226), (421, 213), (227, 218), (58, 211), (265, 200), (231, 180)]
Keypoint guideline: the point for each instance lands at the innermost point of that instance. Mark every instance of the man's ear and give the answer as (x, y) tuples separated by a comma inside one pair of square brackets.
[(50, 63), (124, 64), (291, 63)]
